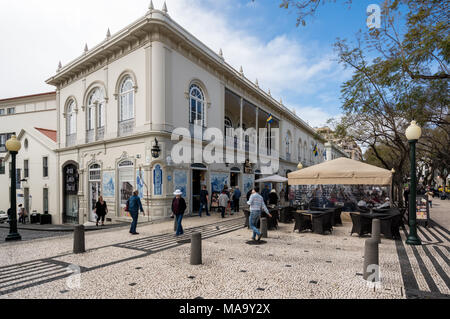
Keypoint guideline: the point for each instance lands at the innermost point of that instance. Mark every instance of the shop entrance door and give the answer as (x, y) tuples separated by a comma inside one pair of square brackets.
[(94, 189), (94, 194), (198, 179), (70, 184), (234, 179)]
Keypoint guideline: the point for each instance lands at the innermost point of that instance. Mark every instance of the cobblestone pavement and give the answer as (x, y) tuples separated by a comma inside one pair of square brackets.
[(426, 268), (30, 234), (440, 213), (290, 265)]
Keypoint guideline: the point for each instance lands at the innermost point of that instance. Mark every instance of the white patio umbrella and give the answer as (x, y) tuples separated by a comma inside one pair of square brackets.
[(272, 179)]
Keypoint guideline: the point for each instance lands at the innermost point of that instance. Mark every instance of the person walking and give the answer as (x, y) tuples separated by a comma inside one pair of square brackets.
[(282, 197), (204, 199), (265, 194), (101, 209), (291, 197), (178, 209), (249, 193), (22, 214), (223, 202), (236, 198), (134, 206), (429, 194), (256, 203), (273, 197), (406, 196)]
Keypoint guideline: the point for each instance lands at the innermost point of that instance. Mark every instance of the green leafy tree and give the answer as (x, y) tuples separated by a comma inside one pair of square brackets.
[(407, 79)]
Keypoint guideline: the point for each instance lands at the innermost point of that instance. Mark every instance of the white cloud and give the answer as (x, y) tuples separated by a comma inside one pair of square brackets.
[(315, 116)]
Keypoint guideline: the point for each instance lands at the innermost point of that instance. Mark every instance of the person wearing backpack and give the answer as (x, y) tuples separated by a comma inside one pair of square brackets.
[(134, 205)]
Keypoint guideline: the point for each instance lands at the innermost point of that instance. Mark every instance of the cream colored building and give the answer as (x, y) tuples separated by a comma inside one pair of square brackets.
[(346, 145), (140, 84), (33, 118), (333, 151), (36, 179)]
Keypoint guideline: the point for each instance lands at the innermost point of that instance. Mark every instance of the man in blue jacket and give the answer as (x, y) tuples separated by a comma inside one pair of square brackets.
[(236, 198), (134, 205)]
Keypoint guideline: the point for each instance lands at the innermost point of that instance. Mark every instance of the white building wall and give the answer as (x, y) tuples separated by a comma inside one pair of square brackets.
[(107, 78), (38, 147)]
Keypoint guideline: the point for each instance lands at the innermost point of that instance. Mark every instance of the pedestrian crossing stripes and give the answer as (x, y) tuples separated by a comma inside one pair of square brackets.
[(426, 268), (24, 275), (166, 241), (37, 272)]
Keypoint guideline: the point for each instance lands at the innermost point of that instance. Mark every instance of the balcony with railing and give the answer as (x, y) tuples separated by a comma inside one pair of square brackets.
[(90, 136), (126, 127), (100, 133), (71, 140)]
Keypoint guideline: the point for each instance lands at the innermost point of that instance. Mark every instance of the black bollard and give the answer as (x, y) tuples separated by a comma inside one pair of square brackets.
[(78, 240), (196, 249), (263, 228), (371, 264), (376, 230)]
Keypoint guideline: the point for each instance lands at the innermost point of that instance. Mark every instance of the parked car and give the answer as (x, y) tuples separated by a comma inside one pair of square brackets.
[(3, 217)]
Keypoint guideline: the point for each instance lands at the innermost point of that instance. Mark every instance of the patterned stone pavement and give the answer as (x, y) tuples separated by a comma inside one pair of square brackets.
[(290, 265), (426, 268)]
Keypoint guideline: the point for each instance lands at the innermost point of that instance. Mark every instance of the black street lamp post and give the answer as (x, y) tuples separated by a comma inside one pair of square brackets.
[(413, 133), (13, 146)]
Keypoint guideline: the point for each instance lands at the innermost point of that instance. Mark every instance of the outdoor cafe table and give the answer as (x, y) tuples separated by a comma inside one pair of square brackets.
[(316, 224), (272, 223), (286, 215), (390, 222)]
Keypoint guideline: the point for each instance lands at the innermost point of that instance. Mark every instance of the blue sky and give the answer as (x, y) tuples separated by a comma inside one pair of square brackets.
[(295, 63)]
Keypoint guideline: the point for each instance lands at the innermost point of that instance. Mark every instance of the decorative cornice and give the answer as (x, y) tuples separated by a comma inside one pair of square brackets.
[(158, 26)]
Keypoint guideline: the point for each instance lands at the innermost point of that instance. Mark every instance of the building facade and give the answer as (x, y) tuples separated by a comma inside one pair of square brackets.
[(35, 173), (131, 92), (25, 117), (333, 152), (347, 145)]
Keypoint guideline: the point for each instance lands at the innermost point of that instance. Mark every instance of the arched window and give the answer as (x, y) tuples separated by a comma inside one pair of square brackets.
[(96, 102), (94, 173), (299, 150), (196, 105), (126, 99), (305, 150), (288, 145), (71, 118), (228, 125), (71, 124)]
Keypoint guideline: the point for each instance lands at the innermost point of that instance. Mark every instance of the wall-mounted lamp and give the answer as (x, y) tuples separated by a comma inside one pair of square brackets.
[(156, 149)]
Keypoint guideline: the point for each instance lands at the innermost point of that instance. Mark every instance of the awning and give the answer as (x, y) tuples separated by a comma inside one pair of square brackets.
[(272, 179), (341, 171)]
